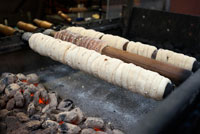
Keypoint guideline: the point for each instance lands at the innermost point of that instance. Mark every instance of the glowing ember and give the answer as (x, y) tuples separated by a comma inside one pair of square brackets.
[(42, 101), (61, 122), (32, 94), (24, 81), (35, 84), (97, 129)]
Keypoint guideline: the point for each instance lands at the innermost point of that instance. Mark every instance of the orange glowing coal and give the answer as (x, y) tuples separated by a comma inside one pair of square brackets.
[(61, 122), (24, 81), (43, 101), (97, 129), (35, 84), (32, 94)]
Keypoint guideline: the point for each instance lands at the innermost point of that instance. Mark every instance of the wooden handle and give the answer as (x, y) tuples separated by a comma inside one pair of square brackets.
[(26, 26), (176, 74), (64, 16), (42, 23), (78, 9), (6, 30)]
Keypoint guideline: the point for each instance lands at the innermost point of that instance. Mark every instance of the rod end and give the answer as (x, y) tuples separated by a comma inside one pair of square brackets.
[(169, 88)]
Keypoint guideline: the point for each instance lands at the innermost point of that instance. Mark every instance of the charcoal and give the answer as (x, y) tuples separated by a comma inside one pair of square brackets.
[(93, 122), (66, 105), (3, 128), (27, 97), (101, 132), (53, 100), (2, 104), (116, 131), (11, 104), (23, 85), (33, 125), (50, 123), (41, 94), (3, 114), (31, 88), (21, 130), (17, 110), (31, 109), (2, 85), (52, 117), (12, 123), (67, 117), (40, 86), (19, 99), (12, 89), (22, 117), (44, 94), (35, 117), (88, 131), (21, 76), (44, 117), (8, 78), (46, 109), (52, 130), (5, 98), (80, 115), (108, 128), (69, 128), (36, 98), (32, 78)]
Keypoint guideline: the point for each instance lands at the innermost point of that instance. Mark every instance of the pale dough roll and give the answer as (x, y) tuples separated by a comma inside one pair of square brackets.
[(132, 78), (67, 58), (51, 51), (79, 58), (151, 50), (32, 42), (131, 47), (90, 33), (111, 67), (154, 86), (109, 39), (118, 75), (70, 55), (93, 57), (159, 55), (120, 42), (125, 73), (72, 29), (84, 60), (189, 63), (99, 35), (79, 29), (65, 53), (140, 49), (82, 32), (102, 68), (161, 88), (150, 76), (75, 57), (96, 63), (141, 81)]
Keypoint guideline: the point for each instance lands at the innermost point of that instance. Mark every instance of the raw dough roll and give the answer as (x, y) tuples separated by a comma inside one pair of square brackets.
[(140, 49), (115, 71), (175, 59)]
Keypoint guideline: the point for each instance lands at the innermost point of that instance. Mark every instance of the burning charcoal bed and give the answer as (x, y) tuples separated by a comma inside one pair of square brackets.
[(27, 106)]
